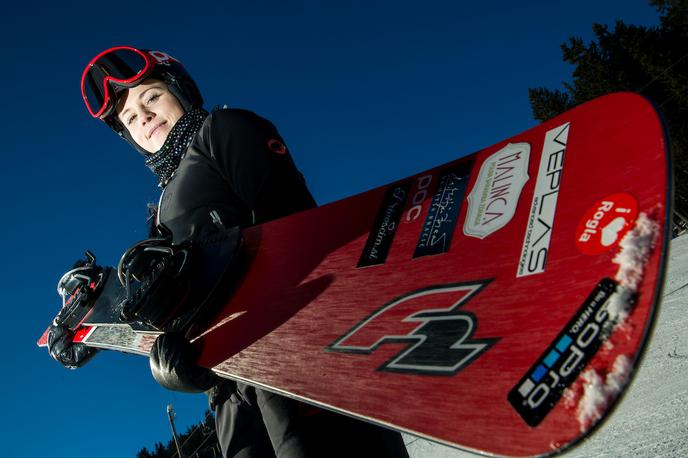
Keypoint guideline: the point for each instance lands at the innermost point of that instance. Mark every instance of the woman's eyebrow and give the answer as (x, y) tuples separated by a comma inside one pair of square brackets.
[(140, 97)]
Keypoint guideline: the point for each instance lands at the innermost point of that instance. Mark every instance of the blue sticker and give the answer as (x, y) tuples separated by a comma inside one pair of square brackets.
[(564, 343), (552, 358), (540, 372)]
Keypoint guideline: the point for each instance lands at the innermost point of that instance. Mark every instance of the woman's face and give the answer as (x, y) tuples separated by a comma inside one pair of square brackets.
[(149, 111)]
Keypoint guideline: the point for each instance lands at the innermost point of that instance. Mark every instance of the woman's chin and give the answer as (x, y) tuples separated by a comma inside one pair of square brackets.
[(158, 139)]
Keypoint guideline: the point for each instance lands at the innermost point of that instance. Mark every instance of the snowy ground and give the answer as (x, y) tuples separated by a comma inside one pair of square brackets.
[(652, 419)]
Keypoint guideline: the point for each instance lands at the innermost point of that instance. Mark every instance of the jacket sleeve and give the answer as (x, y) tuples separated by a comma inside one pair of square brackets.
[(255, 162)]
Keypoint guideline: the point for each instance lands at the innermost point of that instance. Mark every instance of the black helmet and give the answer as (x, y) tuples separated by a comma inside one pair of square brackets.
[(122, 67)]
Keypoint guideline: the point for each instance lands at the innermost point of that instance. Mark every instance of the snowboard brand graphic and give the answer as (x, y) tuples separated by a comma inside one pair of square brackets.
[(420, 190), (492, 202), (439, 336), (386, 223), (538, 392), (605, 224), (438, 228), (539, 231)]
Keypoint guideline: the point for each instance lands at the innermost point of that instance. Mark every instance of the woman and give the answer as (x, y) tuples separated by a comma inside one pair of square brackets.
[(229, 168)]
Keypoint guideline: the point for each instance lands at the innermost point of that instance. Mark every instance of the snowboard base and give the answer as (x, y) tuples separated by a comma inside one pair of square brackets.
[(499, 303)]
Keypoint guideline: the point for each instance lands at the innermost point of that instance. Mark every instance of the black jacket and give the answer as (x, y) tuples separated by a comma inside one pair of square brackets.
[(236, 172)]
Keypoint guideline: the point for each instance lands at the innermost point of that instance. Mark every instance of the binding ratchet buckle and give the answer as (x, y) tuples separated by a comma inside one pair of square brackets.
[(79, 289)]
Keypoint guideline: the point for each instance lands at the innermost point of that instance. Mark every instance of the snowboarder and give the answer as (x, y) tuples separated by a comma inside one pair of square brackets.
[(216, 170)]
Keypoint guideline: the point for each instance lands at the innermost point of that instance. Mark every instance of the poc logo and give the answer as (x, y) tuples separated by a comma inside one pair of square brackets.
[(438, 335), (162, 57), (423, 183)]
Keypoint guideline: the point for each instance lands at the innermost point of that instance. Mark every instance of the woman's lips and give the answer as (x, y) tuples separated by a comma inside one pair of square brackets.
[(150, 134)]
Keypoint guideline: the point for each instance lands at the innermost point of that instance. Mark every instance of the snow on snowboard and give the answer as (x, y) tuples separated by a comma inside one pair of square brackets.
[(499, 303)]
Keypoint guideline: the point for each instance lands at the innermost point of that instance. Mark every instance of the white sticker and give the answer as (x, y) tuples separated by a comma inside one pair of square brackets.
[(493, 200), (539, 231)]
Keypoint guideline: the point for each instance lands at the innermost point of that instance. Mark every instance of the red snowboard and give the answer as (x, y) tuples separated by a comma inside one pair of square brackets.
[(498, 303)]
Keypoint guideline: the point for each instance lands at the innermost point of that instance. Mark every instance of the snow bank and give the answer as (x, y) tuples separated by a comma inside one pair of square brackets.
[(599, 392), (599, 389)]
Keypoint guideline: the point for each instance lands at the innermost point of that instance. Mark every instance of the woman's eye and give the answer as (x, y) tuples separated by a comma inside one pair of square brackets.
[(131, 119), (152, 98)]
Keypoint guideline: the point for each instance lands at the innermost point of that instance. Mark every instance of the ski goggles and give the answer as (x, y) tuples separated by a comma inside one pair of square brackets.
[(120, 66)]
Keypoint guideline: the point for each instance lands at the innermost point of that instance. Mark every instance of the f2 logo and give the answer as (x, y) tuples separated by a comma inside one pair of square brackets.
[(438, 335)]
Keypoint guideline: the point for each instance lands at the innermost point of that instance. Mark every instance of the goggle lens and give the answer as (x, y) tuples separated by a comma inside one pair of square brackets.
[(123, 66)]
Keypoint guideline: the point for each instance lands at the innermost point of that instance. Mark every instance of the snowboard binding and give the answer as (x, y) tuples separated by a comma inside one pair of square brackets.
[(79, 288), (154, 274)]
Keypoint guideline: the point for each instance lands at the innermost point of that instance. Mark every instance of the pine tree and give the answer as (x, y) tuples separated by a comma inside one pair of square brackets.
[(199, 440), (144, 453), (650, 60)]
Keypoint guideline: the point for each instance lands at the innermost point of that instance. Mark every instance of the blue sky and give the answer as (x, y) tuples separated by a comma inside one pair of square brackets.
[(364, 92)]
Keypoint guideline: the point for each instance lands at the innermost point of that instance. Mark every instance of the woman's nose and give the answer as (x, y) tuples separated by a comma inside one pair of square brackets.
[(146, 116)]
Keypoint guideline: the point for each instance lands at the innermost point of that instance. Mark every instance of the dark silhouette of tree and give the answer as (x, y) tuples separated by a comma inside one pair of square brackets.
[(650, 60), (198, 441)]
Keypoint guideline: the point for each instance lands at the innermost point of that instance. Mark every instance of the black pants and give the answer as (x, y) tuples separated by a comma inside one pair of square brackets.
[(253, 423)]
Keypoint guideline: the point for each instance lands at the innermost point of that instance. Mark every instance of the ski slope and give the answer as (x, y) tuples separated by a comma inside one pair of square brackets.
[(652, 418)]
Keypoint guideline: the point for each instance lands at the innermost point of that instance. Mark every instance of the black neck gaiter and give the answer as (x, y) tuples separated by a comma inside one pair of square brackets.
[(165, 161)]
